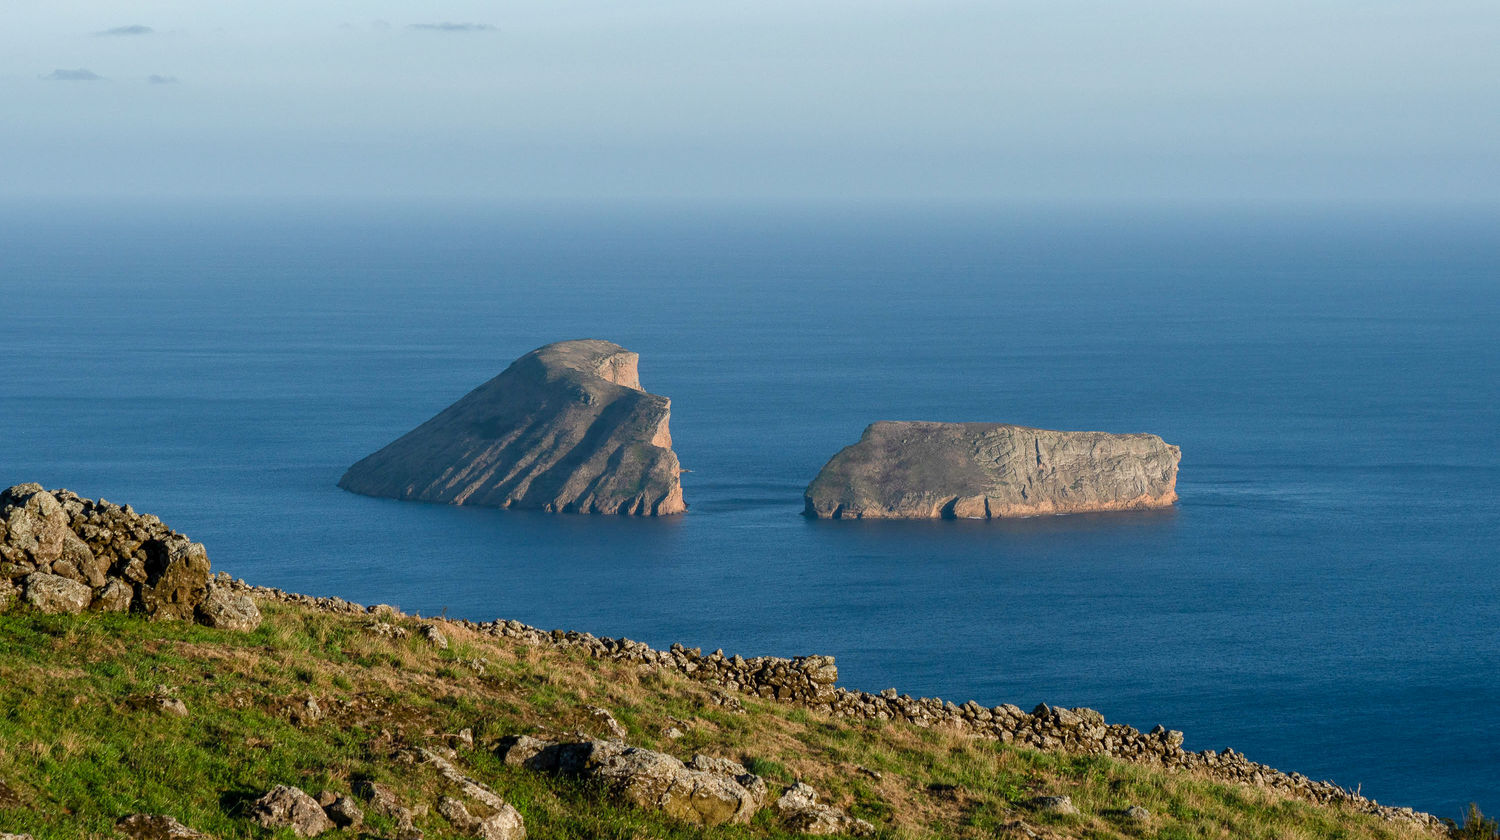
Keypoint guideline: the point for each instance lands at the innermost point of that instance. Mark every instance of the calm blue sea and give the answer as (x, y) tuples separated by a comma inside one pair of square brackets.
[(1326, 598)]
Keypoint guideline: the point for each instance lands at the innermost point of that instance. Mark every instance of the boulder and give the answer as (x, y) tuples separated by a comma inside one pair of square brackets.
[(228, 610), (922, 470), (344, 812), (800, 811), (646, 778), (606, 721), (517, 750), (472, 788), (289, 807), (566, 428), (383, 801), (56, 594), (156, 827), (169, 705), (1055, 805), (502, 825), (433, 636)]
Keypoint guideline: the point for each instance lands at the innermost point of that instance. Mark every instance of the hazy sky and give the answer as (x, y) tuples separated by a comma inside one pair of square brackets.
[(1060, 100)]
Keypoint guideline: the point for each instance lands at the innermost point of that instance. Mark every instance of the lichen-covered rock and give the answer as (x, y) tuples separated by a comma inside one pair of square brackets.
[(228, 610), (565, 429), (156, 827), (714, 764), (606, 721), (497, 820), (1055, 805), (920, 470), (56, 594), (433, 636), (505, 824), (289, 807), (344, 812), (516, 750), (646, 778), (800, 811), (383, 801)]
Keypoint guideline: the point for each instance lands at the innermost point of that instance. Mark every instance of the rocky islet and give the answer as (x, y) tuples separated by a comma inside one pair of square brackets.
[(927, 470), (566, 428)]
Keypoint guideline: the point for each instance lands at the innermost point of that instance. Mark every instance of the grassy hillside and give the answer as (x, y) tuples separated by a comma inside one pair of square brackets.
[(324, 701)]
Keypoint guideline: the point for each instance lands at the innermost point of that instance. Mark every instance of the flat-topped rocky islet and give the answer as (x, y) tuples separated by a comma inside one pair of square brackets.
[(925, 470), (566, 428)]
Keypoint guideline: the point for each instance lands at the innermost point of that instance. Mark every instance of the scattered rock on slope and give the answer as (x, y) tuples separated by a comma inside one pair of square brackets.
[(801, 811), (156, 827), (645, 778), (921, 470), (289, 807), (565, 429)]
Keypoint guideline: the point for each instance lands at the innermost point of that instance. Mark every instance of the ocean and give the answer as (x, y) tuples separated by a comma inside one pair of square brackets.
[(1325, 598)]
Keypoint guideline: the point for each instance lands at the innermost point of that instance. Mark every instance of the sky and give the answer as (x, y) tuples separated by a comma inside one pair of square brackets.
[(1341, 101)]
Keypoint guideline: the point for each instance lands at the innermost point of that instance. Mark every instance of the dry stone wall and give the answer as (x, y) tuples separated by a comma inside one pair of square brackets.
[(61, 553), (811, 682)]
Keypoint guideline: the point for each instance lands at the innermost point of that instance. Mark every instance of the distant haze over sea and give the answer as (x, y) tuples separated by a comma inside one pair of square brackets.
[(1323, 599)]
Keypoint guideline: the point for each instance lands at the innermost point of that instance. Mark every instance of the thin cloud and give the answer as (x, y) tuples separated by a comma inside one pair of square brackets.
[(161, 80), (448, 26), (79, 75), (134, 29)]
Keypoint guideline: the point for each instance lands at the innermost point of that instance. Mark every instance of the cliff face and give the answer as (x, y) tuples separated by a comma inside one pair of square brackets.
[(565, 428), (919, 470)]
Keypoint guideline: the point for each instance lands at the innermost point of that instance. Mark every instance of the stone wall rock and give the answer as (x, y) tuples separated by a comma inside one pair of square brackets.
[(228, 610), (63, 553), (55, 593)]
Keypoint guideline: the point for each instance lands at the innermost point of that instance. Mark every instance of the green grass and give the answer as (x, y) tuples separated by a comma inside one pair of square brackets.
[(83, 743)]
